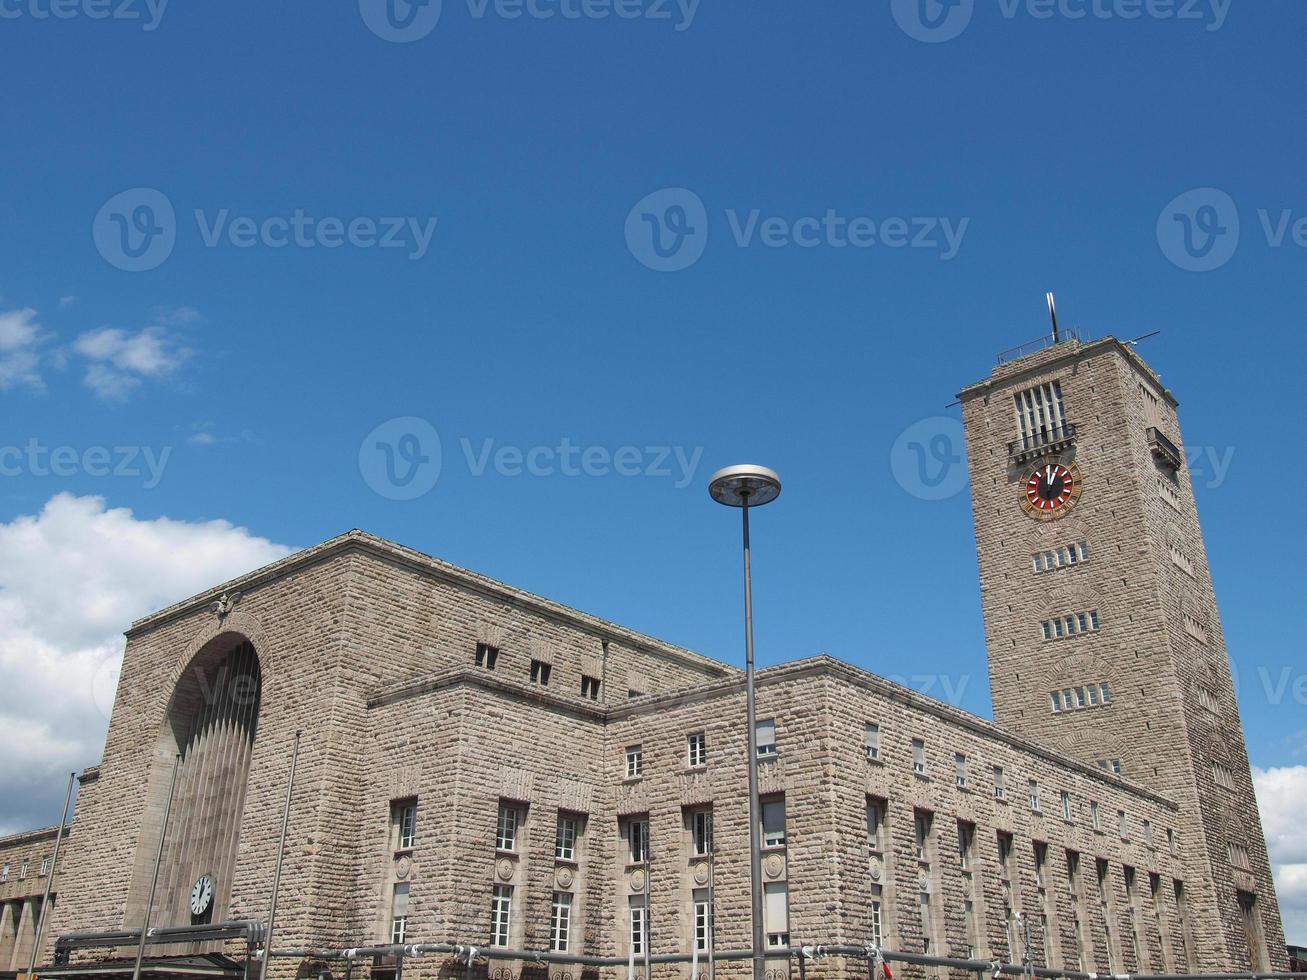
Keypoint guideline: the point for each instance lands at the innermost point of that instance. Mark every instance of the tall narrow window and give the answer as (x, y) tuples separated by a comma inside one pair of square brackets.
[(701, 831), (1000, 786), (637, 835), (927, 926), (565, 838), (969, 925), (540, 672), (872, 737), (1041, 417), (639, 925), (922, 824), (877, 915), (773, 822), (1066, 805), (875, 824), (404, 816), (501, 904), (399, 913), (1032, 789), (702, 920), (506, 830), (560, 922), (765, 737), (1005, 854), (590, 687), (776, 914), (966, 839), (919, 756), (697, 750), (1093, 815), (960, 770)]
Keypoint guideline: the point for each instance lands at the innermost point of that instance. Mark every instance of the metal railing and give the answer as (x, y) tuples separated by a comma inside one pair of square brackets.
[(1047, 439), (1065, 334)]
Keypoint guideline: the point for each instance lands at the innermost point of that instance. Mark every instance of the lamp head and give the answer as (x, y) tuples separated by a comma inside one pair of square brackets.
[(736, 485)]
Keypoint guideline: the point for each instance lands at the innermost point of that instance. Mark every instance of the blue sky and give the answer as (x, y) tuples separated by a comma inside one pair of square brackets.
[(1034, 150)]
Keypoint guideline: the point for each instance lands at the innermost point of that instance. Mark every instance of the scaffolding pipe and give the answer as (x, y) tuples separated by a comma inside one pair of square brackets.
[(781, 953), (49, 878), (158, 860), (281, 855)]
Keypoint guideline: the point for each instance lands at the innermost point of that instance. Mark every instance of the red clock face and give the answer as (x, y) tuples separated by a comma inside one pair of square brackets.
[(1050, 488)]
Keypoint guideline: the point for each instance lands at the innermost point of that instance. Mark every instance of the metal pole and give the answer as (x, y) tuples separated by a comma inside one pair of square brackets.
[(648, 923), (49, 879), (712, 909), (158, 860), (281, 854), (755, 820)]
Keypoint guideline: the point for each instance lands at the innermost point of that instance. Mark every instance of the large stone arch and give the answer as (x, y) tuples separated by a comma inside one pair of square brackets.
[(207, 733)]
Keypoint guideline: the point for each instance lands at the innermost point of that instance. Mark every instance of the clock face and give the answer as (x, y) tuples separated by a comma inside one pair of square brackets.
[(1051, 490), (201, 895)]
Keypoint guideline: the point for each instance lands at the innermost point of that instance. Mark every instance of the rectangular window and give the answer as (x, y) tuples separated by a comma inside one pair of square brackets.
[(877, 915), (1066, 805), (969, 925), (927, 926), (1239, 856), (702, 920), (1121, 822), (918, 757), (1092, 692), (1148, 833), (637, 835), (1004, 853), (922, 821), (1000, 787), (776, 913), (590, 687), (1048, 630), (1093, 815), (501, 904), (486, 656), (1223, 776), (45, 867), (1209, 701), (404, 816), (1105, 692), (960, 770), (1170, 840), (1041, 417), (634, 762), (1033, 793), (697, 750), (875, 823), (506, 830), (1056, 698), (701, 831), (22, 871), (639, 925), (1041, 860), (966, 838), (773, 822), (1080, 697), (540, 672), (399, 913), (560, 922), (872, 737), (565, 839), (765, 737), (4, 873)]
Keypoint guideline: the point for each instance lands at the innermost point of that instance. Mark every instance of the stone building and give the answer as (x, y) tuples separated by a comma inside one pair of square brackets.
[(485, 767), (25, 864)]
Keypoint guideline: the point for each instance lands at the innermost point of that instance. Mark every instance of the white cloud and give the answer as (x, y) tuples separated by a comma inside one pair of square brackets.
[(71, 580), (120, 360), (20, 335), (1280, 796)]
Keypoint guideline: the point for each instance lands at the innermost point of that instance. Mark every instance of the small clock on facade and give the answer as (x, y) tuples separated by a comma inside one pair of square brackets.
[(202, 896), (1051, 490)]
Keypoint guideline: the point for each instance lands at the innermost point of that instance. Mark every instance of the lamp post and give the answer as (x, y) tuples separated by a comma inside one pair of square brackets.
[(744, 487)]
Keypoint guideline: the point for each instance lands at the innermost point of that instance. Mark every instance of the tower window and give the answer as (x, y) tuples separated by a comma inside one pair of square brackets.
[(634, 762), (590, 687), (403, 818), (1071, 624), (1041, 418), (506, 827), (875, 824), (487, 656), (501, 904), (918, 757), (872, 737), (697, 750), (540, 672), (701, 831)]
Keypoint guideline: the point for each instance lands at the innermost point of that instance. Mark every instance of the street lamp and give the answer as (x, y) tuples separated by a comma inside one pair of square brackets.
[(744, 487)]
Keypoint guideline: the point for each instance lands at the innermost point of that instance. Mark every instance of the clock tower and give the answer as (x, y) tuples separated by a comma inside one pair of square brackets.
[(1101, 625)]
